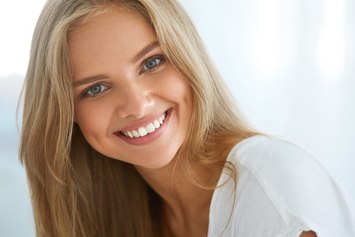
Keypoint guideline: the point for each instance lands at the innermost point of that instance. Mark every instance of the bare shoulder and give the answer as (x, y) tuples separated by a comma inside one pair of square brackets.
[(308, 234)]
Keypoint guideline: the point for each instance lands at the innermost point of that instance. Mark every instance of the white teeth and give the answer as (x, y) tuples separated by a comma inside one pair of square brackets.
[(130, 134), (156, 124), (143, 131), (135, 133), (150, 128)]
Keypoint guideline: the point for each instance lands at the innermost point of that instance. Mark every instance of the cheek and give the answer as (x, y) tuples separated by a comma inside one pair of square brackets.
[(184, 94), (177, 87), (92, 120)]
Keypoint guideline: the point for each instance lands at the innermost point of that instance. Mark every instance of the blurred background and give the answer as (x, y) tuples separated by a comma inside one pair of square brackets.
[(289, 64)]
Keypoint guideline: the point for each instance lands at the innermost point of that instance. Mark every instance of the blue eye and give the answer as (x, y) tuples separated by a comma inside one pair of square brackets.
[(151, 63), (95, 90)]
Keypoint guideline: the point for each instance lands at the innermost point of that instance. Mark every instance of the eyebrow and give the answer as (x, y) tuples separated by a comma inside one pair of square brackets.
[(145, 50), (91, 79), (139, 55)]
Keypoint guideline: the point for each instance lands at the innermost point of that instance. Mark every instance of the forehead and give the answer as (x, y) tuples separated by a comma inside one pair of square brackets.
[(116, 34)]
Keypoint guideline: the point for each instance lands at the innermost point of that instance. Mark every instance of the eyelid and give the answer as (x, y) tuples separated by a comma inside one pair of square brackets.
[(85, 94), (157, 56)]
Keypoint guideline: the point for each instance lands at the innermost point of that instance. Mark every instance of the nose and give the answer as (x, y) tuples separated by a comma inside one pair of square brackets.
[(134, 101)]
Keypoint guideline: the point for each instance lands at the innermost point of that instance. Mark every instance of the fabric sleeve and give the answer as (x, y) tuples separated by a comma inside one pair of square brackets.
[(303, 188)]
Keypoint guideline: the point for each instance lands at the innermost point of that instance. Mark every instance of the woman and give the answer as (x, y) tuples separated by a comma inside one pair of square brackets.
[(129, 131)]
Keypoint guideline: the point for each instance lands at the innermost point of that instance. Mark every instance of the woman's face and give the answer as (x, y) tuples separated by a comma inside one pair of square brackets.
[(130, 103)]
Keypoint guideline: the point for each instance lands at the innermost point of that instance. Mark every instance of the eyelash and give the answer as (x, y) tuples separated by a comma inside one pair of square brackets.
[(161, 59), (87, 92)]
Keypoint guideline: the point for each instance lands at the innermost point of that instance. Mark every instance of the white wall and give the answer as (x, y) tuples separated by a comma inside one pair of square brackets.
[(291, 66)]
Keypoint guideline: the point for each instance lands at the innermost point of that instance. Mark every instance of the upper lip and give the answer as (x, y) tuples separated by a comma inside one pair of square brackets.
[(141, 122)]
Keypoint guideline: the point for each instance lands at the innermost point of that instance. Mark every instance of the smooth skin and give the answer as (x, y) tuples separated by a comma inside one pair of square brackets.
[(308, 234), (122, 81)]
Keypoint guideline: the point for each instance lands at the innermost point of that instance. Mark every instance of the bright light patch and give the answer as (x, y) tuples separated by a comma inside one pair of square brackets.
[(17, 21), (331, 54), (266, 40)]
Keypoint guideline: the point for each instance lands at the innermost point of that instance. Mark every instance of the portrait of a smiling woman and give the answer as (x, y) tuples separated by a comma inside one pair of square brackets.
[(129, 130)]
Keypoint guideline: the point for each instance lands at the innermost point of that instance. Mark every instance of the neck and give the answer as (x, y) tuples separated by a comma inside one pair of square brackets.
[(183, 200), (172, 185), (186, 204)]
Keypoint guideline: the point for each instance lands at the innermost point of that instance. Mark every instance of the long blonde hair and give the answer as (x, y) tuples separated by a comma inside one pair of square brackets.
[(75, 190)]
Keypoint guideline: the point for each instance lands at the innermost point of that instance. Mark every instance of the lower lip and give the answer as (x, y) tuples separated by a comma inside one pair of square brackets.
[(148, 138)]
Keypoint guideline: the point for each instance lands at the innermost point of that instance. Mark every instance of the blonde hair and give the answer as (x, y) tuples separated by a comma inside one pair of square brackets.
[(75, 190)]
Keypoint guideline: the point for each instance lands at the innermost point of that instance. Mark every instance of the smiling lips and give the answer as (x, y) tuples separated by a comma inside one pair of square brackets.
[(144, 131)]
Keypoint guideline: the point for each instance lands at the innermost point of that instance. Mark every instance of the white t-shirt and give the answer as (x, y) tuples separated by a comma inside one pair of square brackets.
[(281, 191)]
